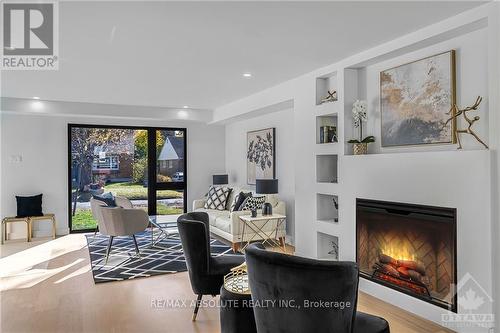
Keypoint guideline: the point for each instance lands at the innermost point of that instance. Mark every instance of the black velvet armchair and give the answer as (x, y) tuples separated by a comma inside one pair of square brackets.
[(206, 273), (295, 294)]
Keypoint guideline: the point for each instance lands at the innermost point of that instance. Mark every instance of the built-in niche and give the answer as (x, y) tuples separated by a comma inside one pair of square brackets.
[(327, 129), (327, 208), (326, 89), (326, 168), (328, 246)]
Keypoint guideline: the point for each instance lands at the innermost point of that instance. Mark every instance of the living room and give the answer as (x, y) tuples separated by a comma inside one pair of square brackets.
[(148, 149)]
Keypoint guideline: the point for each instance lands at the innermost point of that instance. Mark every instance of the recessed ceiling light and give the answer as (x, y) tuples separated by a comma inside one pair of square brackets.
[(182, 114), (37, 105), (247, 74), (36, 97), (186, 107)]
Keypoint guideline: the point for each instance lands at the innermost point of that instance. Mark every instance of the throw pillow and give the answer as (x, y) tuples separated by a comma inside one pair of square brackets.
[(29, 206), (238, 200), (107, 198), (251, 203), (217, 197)]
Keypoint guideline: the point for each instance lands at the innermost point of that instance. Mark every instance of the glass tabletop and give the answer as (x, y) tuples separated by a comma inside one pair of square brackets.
[(163, 221)]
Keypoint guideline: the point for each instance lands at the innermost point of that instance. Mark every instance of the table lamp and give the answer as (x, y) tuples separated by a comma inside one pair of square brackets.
[(220, 179), (266, 186)]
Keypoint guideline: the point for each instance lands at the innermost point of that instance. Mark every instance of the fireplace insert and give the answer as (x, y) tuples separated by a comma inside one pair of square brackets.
[(410, 248)]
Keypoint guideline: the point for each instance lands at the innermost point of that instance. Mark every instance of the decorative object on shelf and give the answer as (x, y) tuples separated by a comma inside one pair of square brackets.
[(266, 186), (360, 146), (334, 249), (332, 97), (220, 179), (415, 99), (261, 155), (336, 205), (328, 134), (456, 112), (254, 212)]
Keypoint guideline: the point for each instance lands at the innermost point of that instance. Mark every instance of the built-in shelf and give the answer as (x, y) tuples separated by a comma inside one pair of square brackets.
[(328, 108), (328, 246), (327, 188), (327, 148), (324, 84), (326, 209), (326, 168), (326, 129)]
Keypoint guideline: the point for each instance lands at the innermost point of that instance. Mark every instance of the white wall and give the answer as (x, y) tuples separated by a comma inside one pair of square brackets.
[(41, 140), (456, 179), (236, 166), (472, 81), (467, 180)]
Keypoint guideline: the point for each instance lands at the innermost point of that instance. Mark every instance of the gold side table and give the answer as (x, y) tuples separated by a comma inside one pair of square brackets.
[(7, 220), (257, 226), (236, 281), (45, 217)]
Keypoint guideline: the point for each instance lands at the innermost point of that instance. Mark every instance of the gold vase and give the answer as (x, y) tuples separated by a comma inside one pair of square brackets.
[(360, 148)]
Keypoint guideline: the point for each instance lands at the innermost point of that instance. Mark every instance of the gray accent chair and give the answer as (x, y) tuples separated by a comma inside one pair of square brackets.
[(119, 221)]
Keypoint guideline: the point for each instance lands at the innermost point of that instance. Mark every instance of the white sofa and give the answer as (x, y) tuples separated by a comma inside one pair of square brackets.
[(228, 226)]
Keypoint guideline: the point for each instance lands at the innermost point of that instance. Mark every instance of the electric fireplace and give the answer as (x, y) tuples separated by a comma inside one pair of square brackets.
[(410, 248)]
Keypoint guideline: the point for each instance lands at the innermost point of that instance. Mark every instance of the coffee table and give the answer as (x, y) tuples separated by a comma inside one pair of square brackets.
[(166, 227)]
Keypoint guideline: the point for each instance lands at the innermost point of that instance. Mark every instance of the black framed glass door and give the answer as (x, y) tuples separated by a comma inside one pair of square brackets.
[(169, 190), (147, 165)]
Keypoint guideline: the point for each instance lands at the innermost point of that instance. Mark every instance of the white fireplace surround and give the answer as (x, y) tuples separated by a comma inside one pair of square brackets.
[(436, 175)]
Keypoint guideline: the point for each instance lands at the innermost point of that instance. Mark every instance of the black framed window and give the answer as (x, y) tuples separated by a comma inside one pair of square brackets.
[(147, 165)]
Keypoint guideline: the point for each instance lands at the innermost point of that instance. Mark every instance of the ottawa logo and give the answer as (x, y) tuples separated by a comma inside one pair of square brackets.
[(475, 304)]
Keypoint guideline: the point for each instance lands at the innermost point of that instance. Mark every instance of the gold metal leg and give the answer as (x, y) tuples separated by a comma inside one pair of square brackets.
[(8, 220), (29, 228), (242, 247), (54, 227), (4, 231)]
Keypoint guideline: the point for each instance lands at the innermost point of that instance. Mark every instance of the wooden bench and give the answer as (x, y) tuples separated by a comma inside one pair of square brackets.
[(30, 220)]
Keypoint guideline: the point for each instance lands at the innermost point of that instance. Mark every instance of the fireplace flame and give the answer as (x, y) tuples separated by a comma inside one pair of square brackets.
[(399, 252)]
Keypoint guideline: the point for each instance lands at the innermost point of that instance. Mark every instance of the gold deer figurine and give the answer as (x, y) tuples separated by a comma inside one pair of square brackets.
[(456, 112)]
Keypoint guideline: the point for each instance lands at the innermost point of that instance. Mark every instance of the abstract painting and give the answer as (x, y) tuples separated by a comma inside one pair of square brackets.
[(415, 100), (261, 155)]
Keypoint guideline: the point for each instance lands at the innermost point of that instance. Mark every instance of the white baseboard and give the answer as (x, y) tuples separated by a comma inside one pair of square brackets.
[(62, 231)]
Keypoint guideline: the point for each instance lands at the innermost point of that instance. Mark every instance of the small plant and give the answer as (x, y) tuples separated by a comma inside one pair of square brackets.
[(368, 139), (359, 115)]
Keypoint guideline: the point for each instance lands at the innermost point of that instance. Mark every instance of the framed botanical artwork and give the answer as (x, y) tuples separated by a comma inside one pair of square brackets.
[(261, 155), (415, 101)]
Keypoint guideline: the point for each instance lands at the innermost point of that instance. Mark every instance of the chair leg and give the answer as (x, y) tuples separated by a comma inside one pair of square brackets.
[(109, 248), (197, 307), (235, 246), (95, 232), (136, 246)]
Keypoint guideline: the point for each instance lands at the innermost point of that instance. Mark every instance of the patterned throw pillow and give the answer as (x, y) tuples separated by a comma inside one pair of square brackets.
[(238, 200), (217, 197), (253, 203)]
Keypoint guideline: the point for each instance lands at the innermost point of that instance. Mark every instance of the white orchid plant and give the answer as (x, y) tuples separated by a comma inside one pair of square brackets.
[(359, 115)]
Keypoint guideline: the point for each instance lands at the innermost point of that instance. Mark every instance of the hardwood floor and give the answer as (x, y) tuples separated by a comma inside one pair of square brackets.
[(48, 287)]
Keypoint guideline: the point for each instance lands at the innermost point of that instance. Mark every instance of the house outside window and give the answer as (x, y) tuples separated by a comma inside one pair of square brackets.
[(106, 163)]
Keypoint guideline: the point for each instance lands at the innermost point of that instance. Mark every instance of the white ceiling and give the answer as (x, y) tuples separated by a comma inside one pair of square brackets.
[(172, 54)]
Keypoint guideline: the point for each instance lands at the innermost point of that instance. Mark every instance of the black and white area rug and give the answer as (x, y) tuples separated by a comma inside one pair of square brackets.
[(123, 263)]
